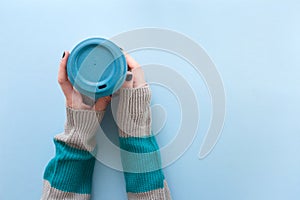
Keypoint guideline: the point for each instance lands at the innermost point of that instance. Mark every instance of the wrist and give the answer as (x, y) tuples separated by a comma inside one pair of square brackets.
[(134, 113), (134, 100)]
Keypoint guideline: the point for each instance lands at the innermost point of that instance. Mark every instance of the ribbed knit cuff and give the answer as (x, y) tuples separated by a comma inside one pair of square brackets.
[(161, 194), (80, 128), (134, 114)]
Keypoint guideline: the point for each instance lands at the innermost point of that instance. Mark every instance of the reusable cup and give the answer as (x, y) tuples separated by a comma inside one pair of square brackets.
[(96, 67)]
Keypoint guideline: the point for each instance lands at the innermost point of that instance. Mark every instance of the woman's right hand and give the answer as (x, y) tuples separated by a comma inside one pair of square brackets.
[(135, 76), (73, 97)]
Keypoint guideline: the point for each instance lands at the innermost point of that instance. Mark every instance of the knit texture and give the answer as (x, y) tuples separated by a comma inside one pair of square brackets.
[(139, 150), (158, 194), (69, 174), (80, 128), (51, 193), (140, 154), (134, 114), (62, 170)]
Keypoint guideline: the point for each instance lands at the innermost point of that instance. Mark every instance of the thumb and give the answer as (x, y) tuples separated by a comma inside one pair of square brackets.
[(128, 81)]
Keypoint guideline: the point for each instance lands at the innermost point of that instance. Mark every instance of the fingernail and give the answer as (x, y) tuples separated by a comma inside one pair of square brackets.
[(63, 55), (128, 77)]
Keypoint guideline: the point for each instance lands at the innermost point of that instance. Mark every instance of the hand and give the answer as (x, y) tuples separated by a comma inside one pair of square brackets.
[(73, 97), (135, 76)]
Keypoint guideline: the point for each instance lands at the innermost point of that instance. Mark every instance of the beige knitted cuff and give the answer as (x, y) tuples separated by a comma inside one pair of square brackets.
[(159, 194), (134, 114), (80, 128)]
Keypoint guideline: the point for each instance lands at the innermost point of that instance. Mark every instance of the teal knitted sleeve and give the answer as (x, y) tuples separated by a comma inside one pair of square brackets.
[(140, 154), (69, 174)]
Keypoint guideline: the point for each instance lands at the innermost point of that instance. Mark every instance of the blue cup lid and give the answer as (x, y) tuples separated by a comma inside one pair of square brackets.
[(96, 67)]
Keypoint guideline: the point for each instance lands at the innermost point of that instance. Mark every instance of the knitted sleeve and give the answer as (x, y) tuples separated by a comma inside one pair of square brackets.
[(139, 150), (69, 174)]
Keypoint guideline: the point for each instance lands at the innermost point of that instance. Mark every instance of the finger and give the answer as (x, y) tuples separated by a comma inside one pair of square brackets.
[(63, 80), (132, 64), (102, 103), (138, 77), (128, 83)]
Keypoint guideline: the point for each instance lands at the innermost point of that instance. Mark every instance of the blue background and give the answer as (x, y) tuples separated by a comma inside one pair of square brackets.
[(255, 46)]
